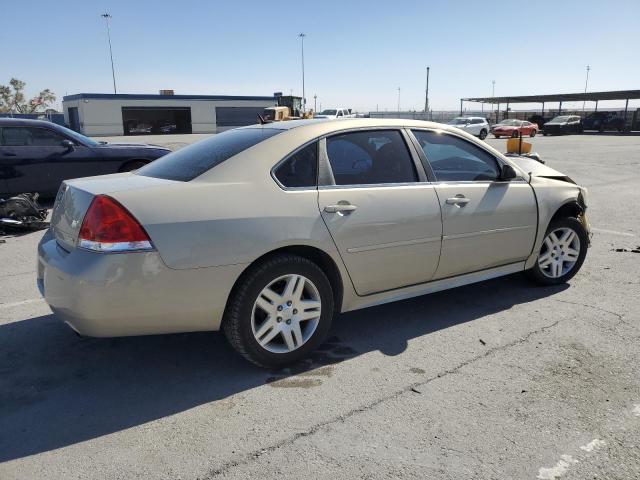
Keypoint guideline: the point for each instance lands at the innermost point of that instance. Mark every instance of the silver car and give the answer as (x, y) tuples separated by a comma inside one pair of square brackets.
[(266, 232)]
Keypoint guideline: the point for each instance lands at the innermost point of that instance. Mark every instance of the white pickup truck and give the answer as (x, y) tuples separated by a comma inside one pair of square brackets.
[(336, 113)]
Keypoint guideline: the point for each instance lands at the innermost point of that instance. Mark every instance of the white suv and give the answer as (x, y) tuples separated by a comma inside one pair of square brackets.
[(477, 126), (336, 113)]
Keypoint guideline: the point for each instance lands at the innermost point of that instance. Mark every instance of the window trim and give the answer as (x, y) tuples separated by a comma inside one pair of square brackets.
[(326, 180), (423, 157), (272, 172)]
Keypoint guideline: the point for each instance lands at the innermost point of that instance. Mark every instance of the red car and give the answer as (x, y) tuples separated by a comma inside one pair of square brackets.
[(513, 128)]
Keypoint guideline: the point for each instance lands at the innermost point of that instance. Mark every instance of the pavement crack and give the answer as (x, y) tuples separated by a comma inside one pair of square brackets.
[(250, 457), (620, 316)]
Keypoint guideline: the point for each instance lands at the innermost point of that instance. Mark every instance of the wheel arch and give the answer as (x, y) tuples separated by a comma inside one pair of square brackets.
[(571, 208), (321, 258)]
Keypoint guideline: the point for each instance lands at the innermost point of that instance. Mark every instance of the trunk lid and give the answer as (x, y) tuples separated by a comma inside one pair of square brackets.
[(75, 196)]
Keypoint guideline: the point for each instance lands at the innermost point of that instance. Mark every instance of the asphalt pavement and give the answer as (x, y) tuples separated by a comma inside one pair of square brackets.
[(498, 380)]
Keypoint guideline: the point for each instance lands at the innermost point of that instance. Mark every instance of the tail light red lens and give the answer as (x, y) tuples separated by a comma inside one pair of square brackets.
[(109, 227)]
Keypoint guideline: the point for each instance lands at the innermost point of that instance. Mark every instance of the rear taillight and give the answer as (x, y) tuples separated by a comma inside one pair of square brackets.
[(109, 227)]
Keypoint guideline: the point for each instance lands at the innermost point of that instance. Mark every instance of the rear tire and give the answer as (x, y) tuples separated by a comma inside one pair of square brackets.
[(497, 136), (560, 257), (263, 322), (515, 134)]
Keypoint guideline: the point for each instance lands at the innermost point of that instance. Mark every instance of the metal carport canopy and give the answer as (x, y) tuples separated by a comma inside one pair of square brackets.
[(560, 97)]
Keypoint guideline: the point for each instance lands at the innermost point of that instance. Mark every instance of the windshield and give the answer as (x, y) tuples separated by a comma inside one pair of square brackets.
[(81, 138), (511, 123), (459, 121), (560, 119), (195, 159), (328, 112)]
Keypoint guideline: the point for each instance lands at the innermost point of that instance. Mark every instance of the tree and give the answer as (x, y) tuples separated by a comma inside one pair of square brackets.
[(12, 98)]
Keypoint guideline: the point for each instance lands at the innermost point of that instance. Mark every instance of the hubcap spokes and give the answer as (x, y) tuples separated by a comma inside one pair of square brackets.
[(559, 253), (286, 313)]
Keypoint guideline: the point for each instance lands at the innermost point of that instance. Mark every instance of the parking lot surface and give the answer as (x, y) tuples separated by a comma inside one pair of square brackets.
[(498, 380)]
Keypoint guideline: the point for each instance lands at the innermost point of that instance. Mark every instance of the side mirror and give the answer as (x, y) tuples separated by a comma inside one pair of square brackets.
[(68, 144), (508, 173)]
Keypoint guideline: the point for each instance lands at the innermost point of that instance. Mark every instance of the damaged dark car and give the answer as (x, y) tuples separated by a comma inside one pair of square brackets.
[(37, 156)]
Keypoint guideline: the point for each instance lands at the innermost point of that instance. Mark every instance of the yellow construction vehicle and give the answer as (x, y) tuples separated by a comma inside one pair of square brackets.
[(288, 108)]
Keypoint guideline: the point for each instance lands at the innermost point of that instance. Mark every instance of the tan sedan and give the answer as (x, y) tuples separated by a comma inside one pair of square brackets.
[(268, 231)]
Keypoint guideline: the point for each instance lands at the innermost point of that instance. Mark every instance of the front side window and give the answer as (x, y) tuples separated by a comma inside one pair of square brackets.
[(300, 169), (195, 159), (30, 137), (371, 157), (454, 159)]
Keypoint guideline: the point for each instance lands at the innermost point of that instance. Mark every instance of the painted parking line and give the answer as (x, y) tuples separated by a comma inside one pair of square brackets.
[(4, 306), (612, 232)]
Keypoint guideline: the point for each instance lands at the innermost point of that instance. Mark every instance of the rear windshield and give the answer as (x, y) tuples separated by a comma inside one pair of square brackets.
[(193, 160)]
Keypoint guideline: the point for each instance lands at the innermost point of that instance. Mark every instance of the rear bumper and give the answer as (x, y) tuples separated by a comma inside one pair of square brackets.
[(105, 295)]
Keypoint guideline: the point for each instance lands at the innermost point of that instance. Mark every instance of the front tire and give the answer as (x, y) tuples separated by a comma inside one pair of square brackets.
[(533, 133), (515, 134), (280, 312), (563, 251), (483, 134)]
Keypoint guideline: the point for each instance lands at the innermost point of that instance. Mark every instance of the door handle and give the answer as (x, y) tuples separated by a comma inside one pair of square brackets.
[(340, 207), (458, 200)]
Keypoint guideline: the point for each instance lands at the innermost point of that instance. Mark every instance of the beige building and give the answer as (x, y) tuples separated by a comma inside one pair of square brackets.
[(96, 114)]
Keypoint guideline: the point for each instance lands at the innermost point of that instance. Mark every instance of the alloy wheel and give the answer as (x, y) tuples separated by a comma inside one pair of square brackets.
[(286, 313), (559, 253)]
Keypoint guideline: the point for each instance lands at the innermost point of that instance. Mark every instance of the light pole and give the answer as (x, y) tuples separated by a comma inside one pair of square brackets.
[(586, 82), (108, 17), (426, 95), (493, 95), (315, 103), (398, 99), (304, 100)]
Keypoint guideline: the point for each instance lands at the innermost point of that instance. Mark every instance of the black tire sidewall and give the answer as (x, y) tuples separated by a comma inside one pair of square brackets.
[(576, 226), (240, 315)]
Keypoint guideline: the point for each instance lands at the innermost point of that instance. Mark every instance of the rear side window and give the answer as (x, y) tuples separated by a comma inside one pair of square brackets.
[(454, 159), (30, 137), (193, 160), (371, 157), (300, 169)]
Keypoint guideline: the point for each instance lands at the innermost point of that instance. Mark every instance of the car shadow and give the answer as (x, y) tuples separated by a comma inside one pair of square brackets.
[(57, 389)]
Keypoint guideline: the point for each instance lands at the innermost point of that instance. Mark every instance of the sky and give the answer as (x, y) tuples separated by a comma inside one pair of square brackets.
[(357, 53)]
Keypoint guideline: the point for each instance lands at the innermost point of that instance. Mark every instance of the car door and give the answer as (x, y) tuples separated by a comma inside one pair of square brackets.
[(383, 217), (474, 126), (486, 222), (38, 161)]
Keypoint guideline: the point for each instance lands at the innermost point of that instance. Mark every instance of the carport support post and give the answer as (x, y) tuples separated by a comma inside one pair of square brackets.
[(596, 106), (626, 107), (460, 107), (498, 114), (560, 108), (507, 114), (542, 112)]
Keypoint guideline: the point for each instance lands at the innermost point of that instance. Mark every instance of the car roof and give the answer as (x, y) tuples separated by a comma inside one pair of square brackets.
[(349, 123), (25, 122)]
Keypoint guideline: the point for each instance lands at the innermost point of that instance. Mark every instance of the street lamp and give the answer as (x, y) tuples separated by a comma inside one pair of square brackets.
[(315, 103), (586, 82), (108, 17), (304, 100), (493, 95), (398, 99), (426, 95)]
